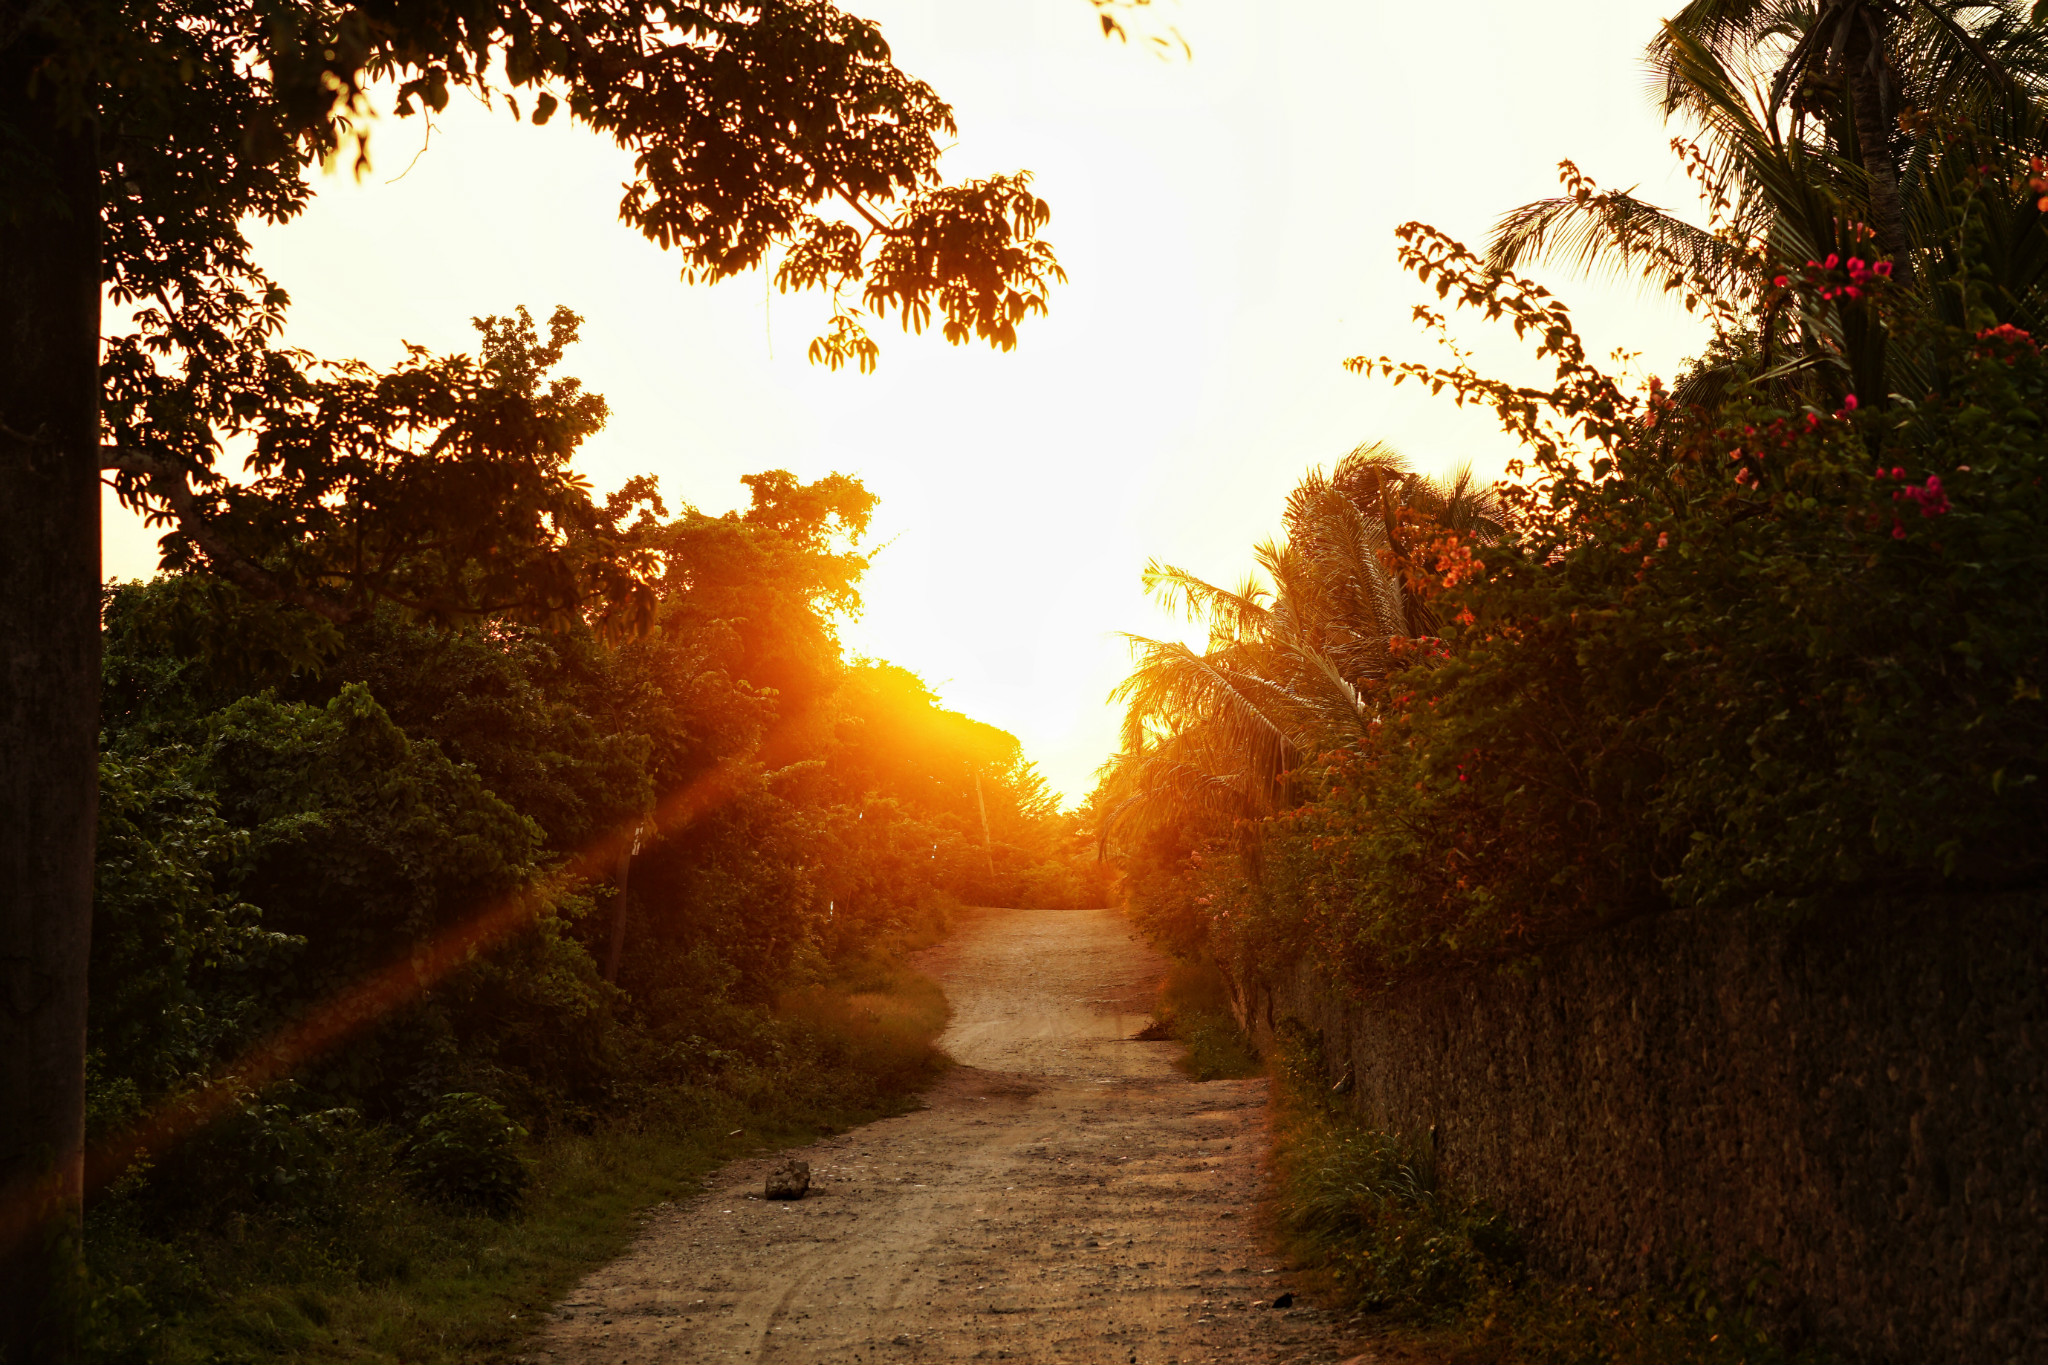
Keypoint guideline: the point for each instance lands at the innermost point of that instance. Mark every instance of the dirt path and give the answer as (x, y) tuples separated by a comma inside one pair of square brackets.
[(1066, 1196)]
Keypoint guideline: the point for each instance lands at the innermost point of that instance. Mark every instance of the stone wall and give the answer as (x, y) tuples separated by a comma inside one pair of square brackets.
[(1862, 1099)]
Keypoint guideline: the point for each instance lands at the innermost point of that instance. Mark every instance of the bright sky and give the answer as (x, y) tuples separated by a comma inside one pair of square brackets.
[(1227, 223)]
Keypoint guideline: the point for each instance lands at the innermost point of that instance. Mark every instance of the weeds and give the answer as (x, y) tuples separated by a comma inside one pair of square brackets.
[(1194, 1010), (1367, 1208), (395, 1272), (1368, 1211)]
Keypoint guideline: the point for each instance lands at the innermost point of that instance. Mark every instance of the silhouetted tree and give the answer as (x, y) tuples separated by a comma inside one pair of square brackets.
[(136, 137)]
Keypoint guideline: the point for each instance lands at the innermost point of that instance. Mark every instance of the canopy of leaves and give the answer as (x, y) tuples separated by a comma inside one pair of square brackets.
[(1769, 637), (777, 133), (295, 804)]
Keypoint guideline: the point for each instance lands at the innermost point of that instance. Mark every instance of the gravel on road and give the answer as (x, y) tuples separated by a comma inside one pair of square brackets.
[(1066, 1195)]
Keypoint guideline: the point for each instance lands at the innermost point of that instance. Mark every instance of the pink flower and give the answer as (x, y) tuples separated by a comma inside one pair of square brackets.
[(1930, 498), (1832, 261), (1883, 269), (1663, 539), (1897, 472), (1781, 281), (1849, 403), (1898, 531)]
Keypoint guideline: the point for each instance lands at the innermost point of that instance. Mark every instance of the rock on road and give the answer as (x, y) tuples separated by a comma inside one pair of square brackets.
[(1067, 1195)]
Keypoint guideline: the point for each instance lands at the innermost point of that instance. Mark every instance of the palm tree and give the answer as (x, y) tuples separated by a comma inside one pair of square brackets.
[(1845, 71), (1211, 734), (1793, 189), (1854, 48)]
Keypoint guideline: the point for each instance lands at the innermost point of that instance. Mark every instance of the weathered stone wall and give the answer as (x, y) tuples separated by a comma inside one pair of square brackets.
[(1862, 1099)]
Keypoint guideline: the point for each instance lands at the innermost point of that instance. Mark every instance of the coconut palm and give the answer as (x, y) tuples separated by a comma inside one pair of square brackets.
[(1869, 59), (1813, 91), (1210, 734), (1796, 168)]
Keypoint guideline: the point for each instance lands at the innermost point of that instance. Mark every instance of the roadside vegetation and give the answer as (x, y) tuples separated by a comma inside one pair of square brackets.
[(425, 954), (377, 755), (1366, 1213), (364, 1260), (1766, 634), (1194, 1010), (1755, 638)]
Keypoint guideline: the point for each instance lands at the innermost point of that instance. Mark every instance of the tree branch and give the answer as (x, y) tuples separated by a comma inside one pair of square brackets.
[(862, 210), (572, 31), (169, 482)]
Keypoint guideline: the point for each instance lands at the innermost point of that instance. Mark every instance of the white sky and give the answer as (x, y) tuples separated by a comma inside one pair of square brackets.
[(1227, 223)]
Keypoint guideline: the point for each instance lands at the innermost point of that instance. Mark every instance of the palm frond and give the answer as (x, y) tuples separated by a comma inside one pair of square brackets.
[(1614, 233)]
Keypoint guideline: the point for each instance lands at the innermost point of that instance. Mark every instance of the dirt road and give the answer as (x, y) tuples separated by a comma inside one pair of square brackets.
[(1066, 1196)]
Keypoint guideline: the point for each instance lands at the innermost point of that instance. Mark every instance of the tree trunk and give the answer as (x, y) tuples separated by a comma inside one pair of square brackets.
[(1873, 138), (49, 703)]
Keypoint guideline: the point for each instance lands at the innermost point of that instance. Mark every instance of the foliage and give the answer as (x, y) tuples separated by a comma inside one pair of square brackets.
[(442, 485), (1751, 641), (1366, 1211), (1852, 130), (1369, 1208), (137, 142), (1769, 637), (373, 1270), (393, 849), (778, 134), (1209, 735), (466, 1150), (177, 957), (1194, 1009)]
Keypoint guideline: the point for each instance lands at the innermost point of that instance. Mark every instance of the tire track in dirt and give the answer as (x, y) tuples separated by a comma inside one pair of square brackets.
[(1067, 1195)]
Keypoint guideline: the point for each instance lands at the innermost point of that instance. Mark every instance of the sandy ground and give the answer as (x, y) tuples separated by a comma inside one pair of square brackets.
[(1067, 1195)]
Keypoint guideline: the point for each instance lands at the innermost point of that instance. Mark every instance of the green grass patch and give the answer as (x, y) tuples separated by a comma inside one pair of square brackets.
[(1194, 1009), (375, 1272), (1367, 1212)]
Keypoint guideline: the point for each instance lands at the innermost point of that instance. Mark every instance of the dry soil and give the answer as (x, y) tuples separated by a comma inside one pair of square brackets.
[(1066, 1195)]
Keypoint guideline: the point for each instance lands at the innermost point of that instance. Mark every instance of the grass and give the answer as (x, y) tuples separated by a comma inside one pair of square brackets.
[(383, 1276), (1367, 1213), (1194, 1009)]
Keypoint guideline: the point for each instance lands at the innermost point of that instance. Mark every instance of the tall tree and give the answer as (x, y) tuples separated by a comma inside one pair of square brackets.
[(1851, 129), (1210, 734), (1845, 71), (1850, 47), (136, 136)]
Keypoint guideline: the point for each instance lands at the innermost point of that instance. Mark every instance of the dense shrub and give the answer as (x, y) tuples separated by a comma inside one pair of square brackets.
[(465, 1150), (395, 851), (1735, 653)]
